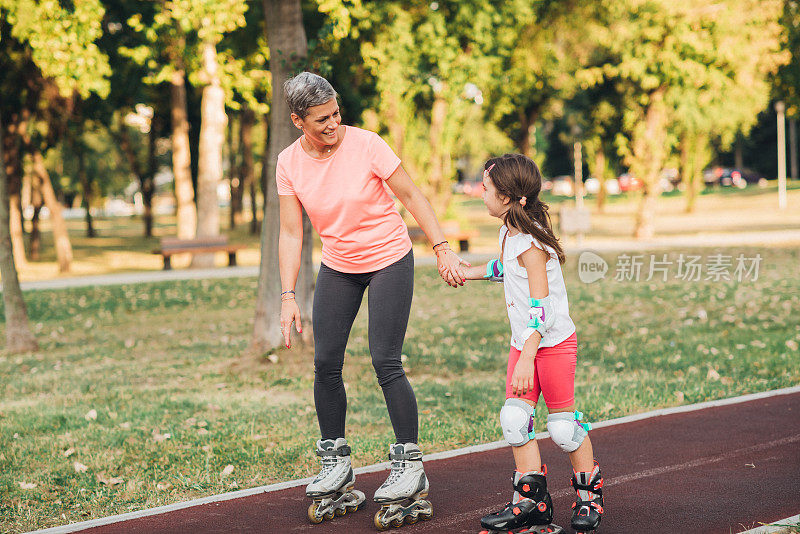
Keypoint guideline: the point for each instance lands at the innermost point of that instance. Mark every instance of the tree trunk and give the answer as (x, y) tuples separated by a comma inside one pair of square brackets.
[(649, 153), (599, 172), (212, 139), (527, 123), (59, 226), (738, 156), (697, 159), (793, 148), (37, 201), (436, 176), (12, 164), (86, 187), (287, 40), (19, 337), (181, 158), (247, 177)]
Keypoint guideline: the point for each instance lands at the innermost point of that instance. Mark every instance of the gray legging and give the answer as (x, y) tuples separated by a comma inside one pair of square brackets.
[(336, 301)]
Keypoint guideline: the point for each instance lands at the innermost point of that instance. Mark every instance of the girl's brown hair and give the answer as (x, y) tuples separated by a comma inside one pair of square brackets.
[(516, 176)]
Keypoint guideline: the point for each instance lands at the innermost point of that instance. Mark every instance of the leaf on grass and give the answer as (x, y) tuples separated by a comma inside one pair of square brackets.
[(79, 467), (712, 374), (792, 344), (202, 432), (69, 452), (125, 426), (273, 358), (610, 347), (27, 485), (91, 415), (162, 486), (158, 438), (207, 448), (680, 396), (726, 380), (109, 481), (228, 470)]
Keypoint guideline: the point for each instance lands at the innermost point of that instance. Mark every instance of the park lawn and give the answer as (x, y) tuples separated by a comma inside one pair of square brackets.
[(140, 395)]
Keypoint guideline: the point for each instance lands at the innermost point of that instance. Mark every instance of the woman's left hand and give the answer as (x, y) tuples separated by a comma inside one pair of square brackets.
[(451, 267)]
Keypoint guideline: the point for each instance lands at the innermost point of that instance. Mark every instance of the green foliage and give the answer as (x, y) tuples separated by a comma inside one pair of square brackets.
[(62, 41), (787, 79), (172, 41)]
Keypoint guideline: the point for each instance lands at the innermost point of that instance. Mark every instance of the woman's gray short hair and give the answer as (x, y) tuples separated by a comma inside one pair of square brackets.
[(307, 90)]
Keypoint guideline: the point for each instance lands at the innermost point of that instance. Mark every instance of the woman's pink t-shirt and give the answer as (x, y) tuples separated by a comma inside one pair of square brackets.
[(347, 201)]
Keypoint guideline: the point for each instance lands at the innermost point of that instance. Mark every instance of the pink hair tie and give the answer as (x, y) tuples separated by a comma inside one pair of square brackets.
[(523, 201)]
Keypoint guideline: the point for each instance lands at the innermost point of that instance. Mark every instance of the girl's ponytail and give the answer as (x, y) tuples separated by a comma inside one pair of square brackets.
[(516, 177)]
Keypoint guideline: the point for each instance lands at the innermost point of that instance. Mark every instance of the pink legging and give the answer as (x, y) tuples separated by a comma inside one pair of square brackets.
[(553, 376)]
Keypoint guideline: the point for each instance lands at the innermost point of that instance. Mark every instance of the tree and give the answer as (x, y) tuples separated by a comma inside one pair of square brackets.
[(55, 56), (288, 48), (19, 337), (431, 64), (657, 52)]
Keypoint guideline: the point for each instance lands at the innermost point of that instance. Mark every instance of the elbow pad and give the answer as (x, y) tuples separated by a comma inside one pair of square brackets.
[(542, 315)]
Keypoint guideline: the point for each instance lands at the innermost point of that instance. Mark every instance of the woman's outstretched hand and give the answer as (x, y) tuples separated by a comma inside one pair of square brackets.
[(290, 313), (451, 267)]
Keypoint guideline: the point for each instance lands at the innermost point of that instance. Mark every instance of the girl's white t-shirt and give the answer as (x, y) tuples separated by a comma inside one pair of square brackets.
[(518, 294)]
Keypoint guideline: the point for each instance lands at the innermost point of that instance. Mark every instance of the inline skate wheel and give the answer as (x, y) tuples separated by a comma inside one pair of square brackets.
[(411, 519), (379, 524), (340, 511), (312, 513), (329, 515)]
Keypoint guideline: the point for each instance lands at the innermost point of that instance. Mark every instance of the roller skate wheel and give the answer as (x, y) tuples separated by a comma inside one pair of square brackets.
[(312, 513), (378, 521), (411, 519), (329, 515), (340, 511)]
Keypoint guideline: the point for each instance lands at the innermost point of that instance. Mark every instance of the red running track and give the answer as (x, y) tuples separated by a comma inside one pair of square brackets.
[(718, 470)]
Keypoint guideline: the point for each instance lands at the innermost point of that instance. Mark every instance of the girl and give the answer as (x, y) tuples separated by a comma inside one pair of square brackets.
[(543, 352)]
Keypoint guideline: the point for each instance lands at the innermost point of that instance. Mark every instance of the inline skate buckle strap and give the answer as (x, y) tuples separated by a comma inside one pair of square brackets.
[(341, 451), (415, 455)]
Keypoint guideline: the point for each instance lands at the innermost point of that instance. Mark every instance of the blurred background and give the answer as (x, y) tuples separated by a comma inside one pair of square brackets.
[(647, 117)]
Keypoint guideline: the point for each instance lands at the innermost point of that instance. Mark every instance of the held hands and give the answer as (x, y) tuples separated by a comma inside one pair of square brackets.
[(290, 313), (450, 266), (522, 377)]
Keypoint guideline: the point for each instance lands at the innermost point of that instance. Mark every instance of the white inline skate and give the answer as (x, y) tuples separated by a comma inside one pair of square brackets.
[(332, 489), (402, 495)]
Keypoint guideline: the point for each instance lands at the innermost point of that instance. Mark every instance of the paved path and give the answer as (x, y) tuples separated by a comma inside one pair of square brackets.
[(719, 469)]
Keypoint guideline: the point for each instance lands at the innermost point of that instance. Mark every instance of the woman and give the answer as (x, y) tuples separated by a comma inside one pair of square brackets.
[(337, 173)]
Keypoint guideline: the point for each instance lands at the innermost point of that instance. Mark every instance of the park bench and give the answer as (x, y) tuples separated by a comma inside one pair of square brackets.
[(452, 232), (200, 245)]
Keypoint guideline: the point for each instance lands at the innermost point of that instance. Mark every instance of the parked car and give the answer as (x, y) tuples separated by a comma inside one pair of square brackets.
[(562, 186), (628, 182), (728, 177), (592, 186), (471, 188)]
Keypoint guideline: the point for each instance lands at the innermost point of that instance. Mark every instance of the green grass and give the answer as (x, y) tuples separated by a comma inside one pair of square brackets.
[(166, 358)]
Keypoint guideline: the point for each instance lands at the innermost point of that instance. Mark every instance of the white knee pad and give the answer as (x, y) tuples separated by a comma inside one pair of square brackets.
[(516, 420), (566, 430)]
